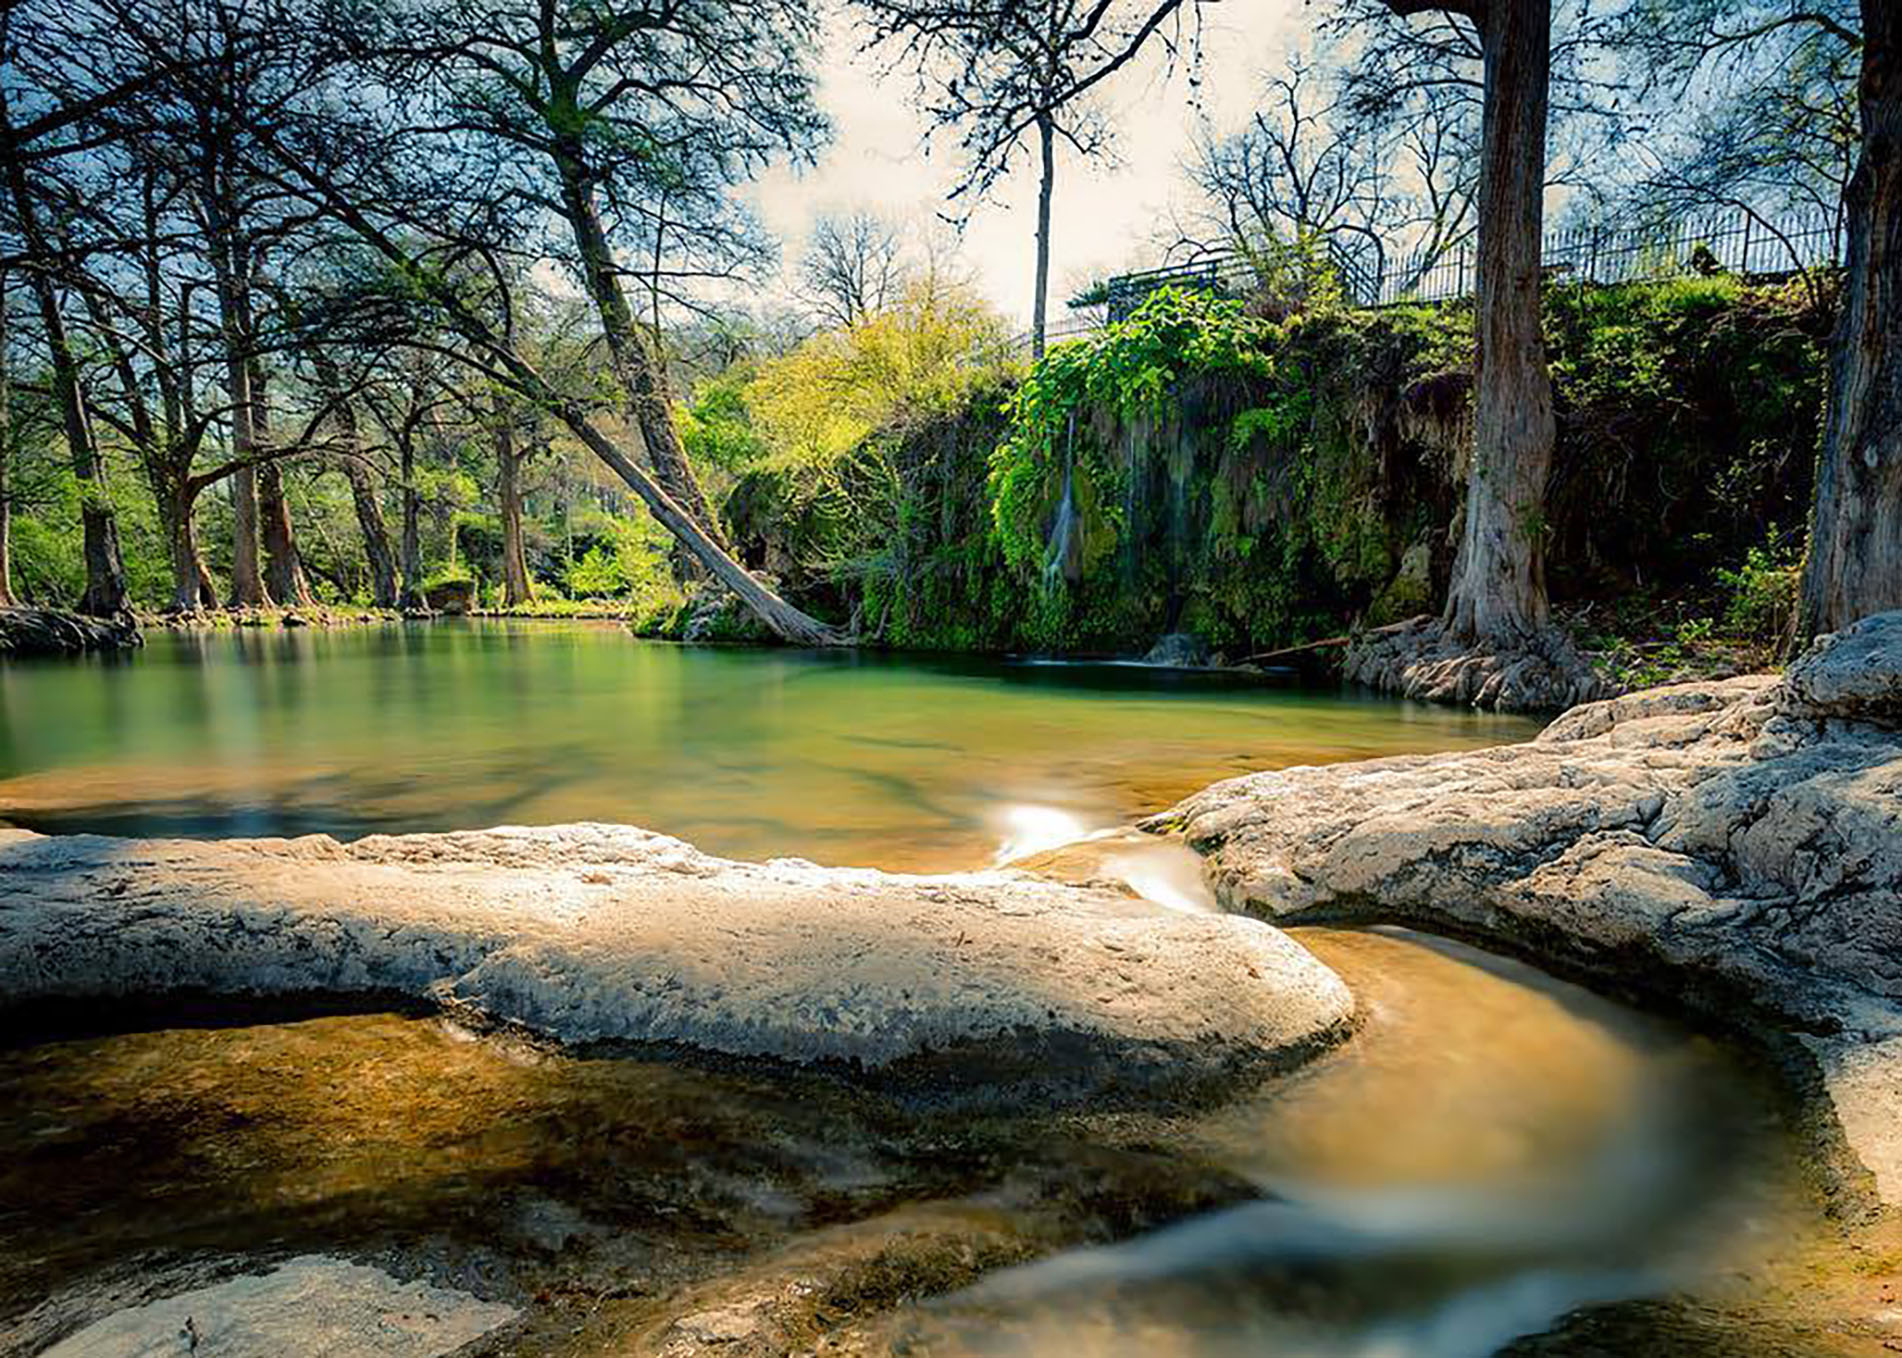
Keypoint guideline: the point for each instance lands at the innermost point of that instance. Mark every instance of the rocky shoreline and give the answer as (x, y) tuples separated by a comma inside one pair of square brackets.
[(55, 631), (1731, 848), (980, 986)]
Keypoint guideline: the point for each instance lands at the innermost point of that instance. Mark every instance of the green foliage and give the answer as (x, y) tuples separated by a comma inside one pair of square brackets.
[(1763, 590), (631, 566), (923, 356), (1128, 370), (716, 428)]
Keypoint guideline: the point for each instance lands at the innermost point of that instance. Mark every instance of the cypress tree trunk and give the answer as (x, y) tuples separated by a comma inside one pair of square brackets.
[(1498, 589), (6, 451), (105, 594), (247, 577), (517, 589), (284, 578), (1854, 566), (411, 600), (636, 367), (376, 538)]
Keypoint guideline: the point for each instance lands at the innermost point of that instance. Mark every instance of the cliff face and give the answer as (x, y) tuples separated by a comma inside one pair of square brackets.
[(1262, 484)]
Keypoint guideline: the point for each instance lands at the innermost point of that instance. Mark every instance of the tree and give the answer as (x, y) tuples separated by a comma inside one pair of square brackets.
[(1001, 71), (1854, 567), (6, 444), (1308, 166), (1497, 598), (105, 593), (579, 108), (852, 267)]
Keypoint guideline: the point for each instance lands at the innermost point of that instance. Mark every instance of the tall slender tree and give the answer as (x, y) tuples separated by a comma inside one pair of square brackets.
[(1006, 74)]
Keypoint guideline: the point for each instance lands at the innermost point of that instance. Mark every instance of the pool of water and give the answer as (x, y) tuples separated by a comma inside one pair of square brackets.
[(1492, 1149), (842, 758)]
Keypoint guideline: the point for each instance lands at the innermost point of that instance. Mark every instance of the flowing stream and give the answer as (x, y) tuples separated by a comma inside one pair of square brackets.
[(1493, 1149)]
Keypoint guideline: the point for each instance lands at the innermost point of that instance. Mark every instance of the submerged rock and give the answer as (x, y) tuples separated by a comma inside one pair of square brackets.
[(314, 1306), (1736, 845), (599, 934)]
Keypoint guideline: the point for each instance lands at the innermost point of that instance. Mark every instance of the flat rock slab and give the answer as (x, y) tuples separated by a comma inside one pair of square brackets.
[(1736, 845), (313, 1306), (600, 934)]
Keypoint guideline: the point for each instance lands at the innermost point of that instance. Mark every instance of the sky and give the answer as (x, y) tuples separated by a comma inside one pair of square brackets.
[(1105, 216)]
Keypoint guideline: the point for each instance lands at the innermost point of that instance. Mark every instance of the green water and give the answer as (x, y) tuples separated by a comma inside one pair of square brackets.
[(840, 758)]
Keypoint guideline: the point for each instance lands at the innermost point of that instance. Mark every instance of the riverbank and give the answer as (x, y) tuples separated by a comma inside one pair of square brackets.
[(53, 631), (1733, 849)]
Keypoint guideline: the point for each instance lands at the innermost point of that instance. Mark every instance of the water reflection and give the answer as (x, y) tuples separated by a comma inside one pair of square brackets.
[(839, 757)]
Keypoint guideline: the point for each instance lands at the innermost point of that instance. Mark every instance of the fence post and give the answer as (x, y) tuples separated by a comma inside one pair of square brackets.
[(1743, 266)]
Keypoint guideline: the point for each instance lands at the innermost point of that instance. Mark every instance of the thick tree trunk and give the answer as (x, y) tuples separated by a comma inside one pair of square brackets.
[(636, 367), (1498, 590), (105, 594), (1855, 557), (284, 578), (517, 589), (188, 571), (1046, 186), (247, 577), (411, 599), (376, 538), (6, 451)]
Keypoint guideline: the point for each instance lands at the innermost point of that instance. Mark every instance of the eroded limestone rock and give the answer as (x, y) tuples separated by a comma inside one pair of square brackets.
[(1735, 844), (592, 934), (314, 1306)]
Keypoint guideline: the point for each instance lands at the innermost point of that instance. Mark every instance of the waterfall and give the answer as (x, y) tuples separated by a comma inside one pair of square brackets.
[(1061, 558)]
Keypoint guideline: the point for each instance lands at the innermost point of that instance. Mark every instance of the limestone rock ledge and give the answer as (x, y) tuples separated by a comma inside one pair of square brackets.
[(1736, 845), (595, 935)]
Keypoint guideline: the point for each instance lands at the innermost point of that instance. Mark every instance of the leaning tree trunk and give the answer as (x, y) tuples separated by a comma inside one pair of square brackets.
[(1854, 566), (376, 537), (637, 368), (1498, 589), (1046, 186), (517, 590)]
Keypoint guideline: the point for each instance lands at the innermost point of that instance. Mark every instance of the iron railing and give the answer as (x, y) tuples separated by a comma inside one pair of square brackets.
[(1734, 241)]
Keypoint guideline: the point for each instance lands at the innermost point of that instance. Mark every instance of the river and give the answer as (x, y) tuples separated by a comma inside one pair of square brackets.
[(1492, 1150)]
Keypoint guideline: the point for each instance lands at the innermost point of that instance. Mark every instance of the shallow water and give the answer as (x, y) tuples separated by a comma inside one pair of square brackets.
[(840, 758), (1492, 1149)]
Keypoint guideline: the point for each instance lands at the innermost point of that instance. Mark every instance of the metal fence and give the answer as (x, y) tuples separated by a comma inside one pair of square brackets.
[(1732, 241)]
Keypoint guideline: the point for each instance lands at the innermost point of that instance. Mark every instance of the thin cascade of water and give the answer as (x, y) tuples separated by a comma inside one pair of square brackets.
[(1057, 560)]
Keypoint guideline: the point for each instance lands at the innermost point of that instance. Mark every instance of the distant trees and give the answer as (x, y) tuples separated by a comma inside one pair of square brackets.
[(853, 266), (1002, 74), (1390, 185)]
